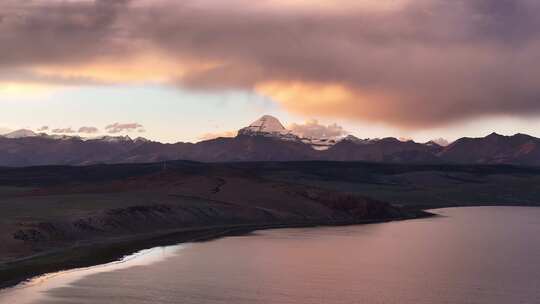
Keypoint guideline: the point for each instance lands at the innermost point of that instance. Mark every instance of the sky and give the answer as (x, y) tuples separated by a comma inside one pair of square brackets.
[(195, 69)]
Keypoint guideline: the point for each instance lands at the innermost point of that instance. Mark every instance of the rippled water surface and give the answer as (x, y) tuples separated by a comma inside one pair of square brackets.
[(469, 255)]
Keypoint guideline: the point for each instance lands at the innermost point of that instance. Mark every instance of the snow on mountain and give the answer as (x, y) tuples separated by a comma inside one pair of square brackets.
[(265, 124), (107, 138), (439, 141), (320, 144), (269, 126), (141, 140), (59, 136), (28, 133), (359, 141), (20, 134)]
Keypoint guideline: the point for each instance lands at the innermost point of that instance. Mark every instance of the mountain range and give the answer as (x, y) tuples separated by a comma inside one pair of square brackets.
[(264, 140)]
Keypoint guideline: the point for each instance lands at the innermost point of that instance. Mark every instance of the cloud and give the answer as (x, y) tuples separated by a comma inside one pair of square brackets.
[(413, 64), (64, 130), (208, 136), (88, 130), (4, 130), (78, 27), (124, 127), (312, 128), (43, 128)]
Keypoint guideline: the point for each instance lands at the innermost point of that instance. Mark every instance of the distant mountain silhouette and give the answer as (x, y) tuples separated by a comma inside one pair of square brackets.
[(519, 149), (264, 140)]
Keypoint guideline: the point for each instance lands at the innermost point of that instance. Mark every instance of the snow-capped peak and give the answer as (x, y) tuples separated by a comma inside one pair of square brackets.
[(266, 124), (20, 134), (269, 126), (439, 141), (141, 140)]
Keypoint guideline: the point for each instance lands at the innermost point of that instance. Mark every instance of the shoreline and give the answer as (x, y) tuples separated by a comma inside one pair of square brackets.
[(99, 252)]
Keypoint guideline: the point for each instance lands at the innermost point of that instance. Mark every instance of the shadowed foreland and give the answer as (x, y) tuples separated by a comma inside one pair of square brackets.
[(59, 217)]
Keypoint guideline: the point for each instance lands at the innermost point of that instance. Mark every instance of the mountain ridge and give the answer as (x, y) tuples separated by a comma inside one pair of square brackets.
[(264, 140)]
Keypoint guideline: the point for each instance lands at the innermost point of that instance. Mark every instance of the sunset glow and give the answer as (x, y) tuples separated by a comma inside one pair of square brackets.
[(407, 67)]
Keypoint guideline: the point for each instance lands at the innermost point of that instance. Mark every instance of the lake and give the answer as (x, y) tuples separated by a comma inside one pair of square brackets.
[(467, 255)]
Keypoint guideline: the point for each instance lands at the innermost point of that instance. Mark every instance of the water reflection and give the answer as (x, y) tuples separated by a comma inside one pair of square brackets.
[(471, 255), (35, 289)]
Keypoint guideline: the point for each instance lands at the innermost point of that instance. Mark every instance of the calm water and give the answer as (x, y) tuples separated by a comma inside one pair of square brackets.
[(471, 255)]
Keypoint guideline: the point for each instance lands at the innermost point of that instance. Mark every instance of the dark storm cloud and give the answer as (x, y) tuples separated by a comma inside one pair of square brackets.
[(49, 32), (424, 63)]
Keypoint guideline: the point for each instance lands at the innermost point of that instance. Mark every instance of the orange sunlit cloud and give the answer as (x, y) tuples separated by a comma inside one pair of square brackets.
[(326, 99), (410, 64), (144, 68)]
